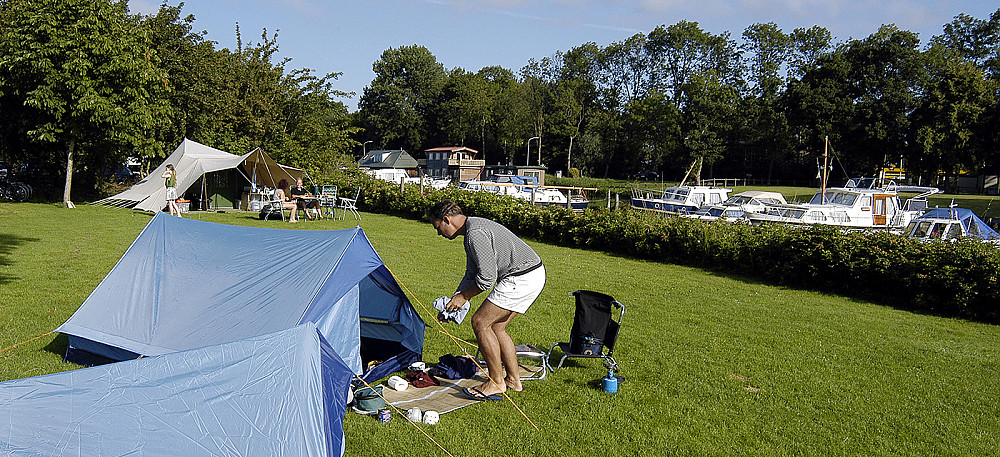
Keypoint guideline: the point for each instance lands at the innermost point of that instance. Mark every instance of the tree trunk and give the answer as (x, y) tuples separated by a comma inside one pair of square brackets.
[(69, 174), (569, 156)]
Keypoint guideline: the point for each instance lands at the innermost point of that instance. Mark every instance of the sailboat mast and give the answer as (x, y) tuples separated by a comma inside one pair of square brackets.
[(826, 145)]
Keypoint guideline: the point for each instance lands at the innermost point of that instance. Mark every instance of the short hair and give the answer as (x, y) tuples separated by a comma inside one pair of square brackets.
[(443, 208)]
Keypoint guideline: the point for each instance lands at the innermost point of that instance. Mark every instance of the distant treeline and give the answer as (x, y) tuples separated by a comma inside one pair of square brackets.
[(84, 85), (759, 106)]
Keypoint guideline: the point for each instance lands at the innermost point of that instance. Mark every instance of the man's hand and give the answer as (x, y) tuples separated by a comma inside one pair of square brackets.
[(455, 303)]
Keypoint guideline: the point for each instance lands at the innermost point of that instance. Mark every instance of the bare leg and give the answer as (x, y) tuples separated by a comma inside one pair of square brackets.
[(484, 322), (508, 355)]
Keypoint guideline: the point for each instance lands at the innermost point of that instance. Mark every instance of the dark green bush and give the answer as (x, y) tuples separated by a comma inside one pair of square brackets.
[(951, 279)]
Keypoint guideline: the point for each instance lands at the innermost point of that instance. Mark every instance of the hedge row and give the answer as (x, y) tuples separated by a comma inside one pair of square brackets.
[(949, 279)]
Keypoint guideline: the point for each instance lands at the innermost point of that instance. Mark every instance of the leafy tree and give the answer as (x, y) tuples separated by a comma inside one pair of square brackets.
[(821, 104), (806, 48), (976, 40), (537, 81), (709, 117), (681, 51), (396, 108), (193, 73), (85, 76), (576, 93), (769, 51), (464, 109), (626, 71), (948, 124), (885, 70)]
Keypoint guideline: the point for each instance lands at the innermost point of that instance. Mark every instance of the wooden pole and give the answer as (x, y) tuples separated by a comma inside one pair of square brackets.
[(690, 169)]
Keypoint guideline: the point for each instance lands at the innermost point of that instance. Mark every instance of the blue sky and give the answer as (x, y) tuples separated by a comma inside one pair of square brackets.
[(348, 36)]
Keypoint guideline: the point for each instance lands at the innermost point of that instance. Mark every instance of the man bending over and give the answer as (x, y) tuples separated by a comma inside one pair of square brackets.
[(494, 258)]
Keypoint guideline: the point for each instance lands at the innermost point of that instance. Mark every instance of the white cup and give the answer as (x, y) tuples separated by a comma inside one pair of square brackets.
[(396, 383), (413, 415), (431, 417)]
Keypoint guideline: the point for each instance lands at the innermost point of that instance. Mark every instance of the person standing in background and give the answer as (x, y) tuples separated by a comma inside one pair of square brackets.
[(171, 182)]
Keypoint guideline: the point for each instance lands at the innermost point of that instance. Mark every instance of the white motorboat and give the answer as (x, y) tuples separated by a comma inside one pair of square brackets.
[(736, 207), (949, 224), (527, 188), (858, 205), (678, 199)]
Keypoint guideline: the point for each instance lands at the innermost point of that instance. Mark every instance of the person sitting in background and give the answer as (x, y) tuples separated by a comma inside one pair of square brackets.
[(298, 191), (286, 202)]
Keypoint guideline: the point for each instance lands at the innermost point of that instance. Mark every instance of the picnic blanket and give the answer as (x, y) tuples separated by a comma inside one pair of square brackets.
[(444, 398)]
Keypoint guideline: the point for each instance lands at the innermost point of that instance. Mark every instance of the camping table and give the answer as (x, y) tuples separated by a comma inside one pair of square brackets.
[(309, 199)]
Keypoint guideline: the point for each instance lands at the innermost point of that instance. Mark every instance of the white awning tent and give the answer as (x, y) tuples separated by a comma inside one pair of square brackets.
[(192, 160)]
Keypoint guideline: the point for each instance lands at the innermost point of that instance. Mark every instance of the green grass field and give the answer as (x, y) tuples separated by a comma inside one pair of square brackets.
[(714, 365)]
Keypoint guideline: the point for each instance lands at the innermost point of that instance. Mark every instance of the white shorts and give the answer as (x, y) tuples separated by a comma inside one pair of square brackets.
[(171, 193), (517, 293)]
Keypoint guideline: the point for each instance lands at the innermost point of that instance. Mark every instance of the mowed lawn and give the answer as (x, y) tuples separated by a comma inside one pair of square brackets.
[(714, 365)]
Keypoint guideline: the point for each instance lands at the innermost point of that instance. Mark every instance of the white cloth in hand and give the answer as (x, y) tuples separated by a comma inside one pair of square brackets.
[(455, 316)]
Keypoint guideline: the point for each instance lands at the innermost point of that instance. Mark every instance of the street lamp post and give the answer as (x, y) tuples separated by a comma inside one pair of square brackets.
[(363, 152), (527, 153)]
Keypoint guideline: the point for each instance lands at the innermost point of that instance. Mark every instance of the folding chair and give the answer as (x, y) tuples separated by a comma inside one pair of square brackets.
[(328, 201), (274, 205), (350, 204), (593, 330), (527, 351)]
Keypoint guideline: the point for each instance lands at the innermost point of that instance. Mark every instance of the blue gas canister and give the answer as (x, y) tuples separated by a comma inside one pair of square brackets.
[(610, 382)]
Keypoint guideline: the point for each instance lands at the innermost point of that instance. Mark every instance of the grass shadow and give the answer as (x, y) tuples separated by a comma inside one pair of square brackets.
[(8, 245), (58, 345)]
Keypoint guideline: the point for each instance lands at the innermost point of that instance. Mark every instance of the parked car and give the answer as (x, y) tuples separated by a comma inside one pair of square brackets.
[(646, 175)]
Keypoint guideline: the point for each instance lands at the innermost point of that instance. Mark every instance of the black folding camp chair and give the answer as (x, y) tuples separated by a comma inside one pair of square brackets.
[(594, 329)]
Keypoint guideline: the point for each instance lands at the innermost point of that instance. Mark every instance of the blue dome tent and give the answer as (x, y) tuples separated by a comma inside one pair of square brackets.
[(283, 393), (185, 284)]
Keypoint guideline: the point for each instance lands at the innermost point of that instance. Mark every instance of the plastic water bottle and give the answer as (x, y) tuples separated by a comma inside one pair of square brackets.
[(610, 382)]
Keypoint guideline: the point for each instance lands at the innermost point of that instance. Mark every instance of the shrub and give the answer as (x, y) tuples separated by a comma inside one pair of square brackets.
[(953, 279)]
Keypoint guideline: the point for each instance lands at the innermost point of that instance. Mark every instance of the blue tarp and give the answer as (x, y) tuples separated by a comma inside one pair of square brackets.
[(186, 284), (284, 393)]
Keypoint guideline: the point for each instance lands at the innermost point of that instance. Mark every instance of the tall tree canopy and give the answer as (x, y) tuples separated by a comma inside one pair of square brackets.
[(396, 108), (85, 75)]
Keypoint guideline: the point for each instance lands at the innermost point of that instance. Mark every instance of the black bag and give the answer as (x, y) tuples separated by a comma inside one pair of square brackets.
[(587, 344), (266, 213)]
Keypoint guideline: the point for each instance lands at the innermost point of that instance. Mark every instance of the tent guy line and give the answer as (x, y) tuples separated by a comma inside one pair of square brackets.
[(456, 340), (54, 308), (25, 341)]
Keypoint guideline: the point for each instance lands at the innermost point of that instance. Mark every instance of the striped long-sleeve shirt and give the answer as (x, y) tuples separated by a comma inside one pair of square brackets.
[(492, 253)]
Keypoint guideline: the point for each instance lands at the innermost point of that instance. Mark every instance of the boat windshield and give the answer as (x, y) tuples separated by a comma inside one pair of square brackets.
[(919, 229), (845, 199), (954, 230), (739, 200), (675, 194)]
